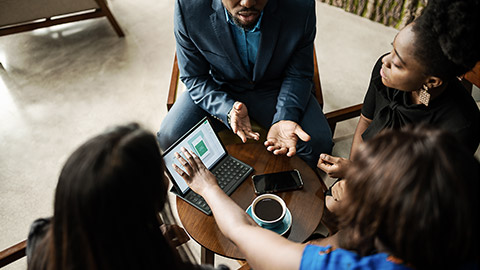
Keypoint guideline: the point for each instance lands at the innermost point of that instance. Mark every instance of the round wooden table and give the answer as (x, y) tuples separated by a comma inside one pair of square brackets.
[(306, 205)]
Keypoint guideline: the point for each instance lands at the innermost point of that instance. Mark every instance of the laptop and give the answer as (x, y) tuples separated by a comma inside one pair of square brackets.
[(204, 142)]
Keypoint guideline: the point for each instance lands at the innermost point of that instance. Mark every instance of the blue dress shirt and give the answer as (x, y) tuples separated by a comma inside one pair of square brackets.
[(247, 42)]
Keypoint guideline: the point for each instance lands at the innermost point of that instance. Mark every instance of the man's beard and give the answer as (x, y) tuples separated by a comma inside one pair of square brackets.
[(248, 26)]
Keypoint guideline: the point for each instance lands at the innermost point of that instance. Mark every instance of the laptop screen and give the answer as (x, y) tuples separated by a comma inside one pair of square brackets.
[(203, 141)]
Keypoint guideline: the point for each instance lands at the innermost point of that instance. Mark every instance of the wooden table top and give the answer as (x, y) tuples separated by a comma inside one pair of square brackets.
[(306, 205)]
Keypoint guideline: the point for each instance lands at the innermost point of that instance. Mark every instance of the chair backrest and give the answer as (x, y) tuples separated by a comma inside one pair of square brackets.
[(316, 80)]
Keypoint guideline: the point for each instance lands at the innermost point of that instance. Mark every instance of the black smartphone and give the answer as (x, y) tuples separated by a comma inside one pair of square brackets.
[(277, 182)]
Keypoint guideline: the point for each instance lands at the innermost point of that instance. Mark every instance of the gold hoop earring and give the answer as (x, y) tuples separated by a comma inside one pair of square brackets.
[(424, 96)]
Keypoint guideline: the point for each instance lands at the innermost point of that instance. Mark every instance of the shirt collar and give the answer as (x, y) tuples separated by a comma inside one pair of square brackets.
[(257, 26)]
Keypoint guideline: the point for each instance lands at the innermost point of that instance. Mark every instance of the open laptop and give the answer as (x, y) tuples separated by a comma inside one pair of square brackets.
[(204, 142)]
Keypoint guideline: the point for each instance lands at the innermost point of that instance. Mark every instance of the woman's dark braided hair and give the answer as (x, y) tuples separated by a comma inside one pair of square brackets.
[(448, 34)]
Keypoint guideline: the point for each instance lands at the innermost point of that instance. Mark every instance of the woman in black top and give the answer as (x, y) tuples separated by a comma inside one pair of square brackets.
[(417, 81), (452, 108), (426, 58)]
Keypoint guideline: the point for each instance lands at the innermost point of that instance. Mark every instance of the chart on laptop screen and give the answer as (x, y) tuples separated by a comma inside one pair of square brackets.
[(203, 142)]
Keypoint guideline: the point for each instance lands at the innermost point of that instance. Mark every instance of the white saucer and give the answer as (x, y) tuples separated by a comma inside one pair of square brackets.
[(281, 228)]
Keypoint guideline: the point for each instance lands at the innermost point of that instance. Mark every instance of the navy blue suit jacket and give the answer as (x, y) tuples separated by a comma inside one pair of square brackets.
[(210, 66)]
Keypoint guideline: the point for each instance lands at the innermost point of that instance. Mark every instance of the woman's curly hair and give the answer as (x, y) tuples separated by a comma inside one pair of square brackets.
[(447, 37)]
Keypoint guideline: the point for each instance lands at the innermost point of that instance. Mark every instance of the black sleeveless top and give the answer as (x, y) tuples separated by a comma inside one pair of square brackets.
[(453, 110)]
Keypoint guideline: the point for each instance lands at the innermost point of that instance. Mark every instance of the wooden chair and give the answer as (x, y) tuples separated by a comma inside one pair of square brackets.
[(13, 253), (332, 117), (472, 78), (18, 251), (24, 15)]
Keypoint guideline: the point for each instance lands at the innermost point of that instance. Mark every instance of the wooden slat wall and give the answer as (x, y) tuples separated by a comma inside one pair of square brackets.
[(394, 13)]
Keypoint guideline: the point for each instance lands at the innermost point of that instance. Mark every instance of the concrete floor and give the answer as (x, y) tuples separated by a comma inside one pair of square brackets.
[(64, 84)]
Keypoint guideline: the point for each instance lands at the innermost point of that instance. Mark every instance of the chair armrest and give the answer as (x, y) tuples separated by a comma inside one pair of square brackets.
[(473, 77), (172, 90), (174, 234), (316, 79), (13, 253), (342, 114)]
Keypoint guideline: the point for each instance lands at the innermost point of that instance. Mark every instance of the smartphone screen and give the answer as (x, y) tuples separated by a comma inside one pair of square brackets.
[(277, 182)]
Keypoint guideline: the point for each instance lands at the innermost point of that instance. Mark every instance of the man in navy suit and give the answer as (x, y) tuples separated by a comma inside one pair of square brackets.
[(247, 59)]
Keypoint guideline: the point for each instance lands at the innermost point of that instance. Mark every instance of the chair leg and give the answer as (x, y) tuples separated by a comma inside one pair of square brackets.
[(244, 265), (103, 5), (207, 256)]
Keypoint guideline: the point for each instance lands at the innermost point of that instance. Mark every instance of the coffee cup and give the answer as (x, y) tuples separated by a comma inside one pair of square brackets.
[(268, 210)]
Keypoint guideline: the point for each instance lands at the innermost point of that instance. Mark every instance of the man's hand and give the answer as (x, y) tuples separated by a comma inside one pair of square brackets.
[(197, 176), (335, 167), (240, 122), (282, 137)]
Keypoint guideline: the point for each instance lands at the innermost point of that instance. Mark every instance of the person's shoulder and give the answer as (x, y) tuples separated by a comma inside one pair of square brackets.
[(458, 97), (36, 235), (194, 2), (39, 227), (378, 64), (296, 5), (316, 257), (456, 108), (195, 5), (376, 78)]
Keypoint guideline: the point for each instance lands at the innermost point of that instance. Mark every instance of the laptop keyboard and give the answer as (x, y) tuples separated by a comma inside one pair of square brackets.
[(198, 201), (230, 174)]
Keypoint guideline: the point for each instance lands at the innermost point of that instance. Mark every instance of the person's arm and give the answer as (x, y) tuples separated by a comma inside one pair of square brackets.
[(294, 94), (297, 84), (362, 125), (337, 166), (195, 72), (263, 249), (368, 108), (332, 241)]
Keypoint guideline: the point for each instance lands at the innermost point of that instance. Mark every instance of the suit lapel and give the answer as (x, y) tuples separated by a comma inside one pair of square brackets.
[(269, 35), (225, 38)]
